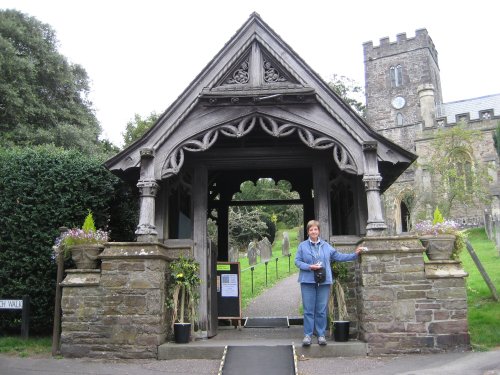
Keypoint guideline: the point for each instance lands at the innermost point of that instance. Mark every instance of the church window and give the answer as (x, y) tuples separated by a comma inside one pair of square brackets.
[(399, 119), (462, 171), (396, 73)]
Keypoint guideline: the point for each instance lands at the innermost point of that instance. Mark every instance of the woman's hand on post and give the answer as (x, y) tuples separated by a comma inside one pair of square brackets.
[(360, 249)]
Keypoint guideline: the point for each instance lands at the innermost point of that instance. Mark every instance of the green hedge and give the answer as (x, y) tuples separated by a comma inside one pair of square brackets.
[(42, 189)]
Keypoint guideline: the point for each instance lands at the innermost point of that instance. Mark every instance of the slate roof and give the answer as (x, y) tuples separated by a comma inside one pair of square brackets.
[(471, 106)]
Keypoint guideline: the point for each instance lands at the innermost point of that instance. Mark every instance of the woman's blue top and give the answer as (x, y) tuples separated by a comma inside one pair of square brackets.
[(308, 253)]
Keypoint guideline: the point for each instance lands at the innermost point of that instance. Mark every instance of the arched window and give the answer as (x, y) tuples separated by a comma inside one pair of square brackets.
[(396, 73), (461, 171), (399, 119)]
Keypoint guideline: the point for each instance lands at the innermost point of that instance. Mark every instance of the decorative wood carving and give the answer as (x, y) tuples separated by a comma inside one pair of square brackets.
[(272, 127), (240, 75), (271, 74)]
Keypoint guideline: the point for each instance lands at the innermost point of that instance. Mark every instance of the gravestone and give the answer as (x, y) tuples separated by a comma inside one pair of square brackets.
[(265, 250), (285, 247), (300, 235), (233, 254), (252, 253)]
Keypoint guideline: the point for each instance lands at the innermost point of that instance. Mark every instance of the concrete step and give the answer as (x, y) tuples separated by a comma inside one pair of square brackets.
[(213, 348)]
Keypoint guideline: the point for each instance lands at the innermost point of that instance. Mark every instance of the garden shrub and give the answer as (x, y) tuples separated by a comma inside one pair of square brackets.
[(42, 189)]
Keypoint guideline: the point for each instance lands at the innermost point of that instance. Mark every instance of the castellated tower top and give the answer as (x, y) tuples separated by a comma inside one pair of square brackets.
[(402, 44)]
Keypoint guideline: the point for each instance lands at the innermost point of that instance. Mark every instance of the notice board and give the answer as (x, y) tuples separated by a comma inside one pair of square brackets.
[(228, 290)]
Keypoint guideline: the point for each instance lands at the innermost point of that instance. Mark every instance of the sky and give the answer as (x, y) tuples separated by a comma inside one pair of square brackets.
[(141, 55)]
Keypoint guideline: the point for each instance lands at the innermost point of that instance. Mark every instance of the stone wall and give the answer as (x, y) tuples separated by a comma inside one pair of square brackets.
[(399, 304), (406, 305), (118, 311)]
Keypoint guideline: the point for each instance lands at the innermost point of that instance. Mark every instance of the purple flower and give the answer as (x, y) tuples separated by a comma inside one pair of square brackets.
[(426, 227)]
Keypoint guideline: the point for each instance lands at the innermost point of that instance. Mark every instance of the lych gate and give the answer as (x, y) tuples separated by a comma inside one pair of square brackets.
[(257, 110)]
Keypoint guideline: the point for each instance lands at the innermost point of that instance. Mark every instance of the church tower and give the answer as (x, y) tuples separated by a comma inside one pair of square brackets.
[(402, 85), (404, 103), (403, 90)]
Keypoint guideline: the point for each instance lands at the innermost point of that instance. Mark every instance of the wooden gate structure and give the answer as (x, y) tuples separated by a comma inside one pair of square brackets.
[(257, 110)]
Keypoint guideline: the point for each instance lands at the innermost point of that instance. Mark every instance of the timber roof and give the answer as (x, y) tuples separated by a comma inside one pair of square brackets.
[(256, 79)]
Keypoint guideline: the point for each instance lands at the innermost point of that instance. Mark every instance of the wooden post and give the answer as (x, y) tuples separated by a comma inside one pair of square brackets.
[(481, 269), (56, 329), (25, 320), (372, 179)]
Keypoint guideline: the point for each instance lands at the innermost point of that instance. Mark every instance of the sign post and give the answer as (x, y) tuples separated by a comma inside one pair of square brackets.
[(19, 304)]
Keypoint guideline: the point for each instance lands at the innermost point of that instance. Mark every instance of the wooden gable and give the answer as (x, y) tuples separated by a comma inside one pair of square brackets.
[(257, 80)]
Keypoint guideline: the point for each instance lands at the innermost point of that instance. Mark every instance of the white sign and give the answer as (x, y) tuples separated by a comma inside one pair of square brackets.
[(11, 304), (229, 285)]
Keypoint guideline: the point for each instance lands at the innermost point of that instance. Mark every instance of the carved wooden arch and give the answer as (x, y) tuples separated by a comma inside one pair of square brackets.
[(240, 128)]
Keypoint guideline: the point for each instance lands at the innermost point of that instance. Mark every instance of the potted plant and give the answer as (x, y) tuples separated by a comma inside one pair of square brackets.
[(339, 317), (183, 297), (442, 239), (84, 245)]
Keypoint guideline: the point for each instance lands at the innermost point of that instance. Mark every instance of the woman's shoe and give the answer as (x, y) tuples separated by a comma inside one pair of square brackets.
[(306, 341)]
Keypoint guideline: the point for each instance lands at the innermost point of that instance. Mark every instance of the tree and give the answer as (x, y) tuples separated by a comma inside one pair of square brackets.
[(245, 225), (137, 127), (43, 97), (350, 91), (458, 176), (266, 188)]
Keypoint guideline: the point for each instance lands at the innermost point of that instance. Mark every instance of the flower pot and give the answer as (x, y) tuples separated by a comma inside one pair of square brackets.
[(86, 256), (438, 247), (182, 332), (341, 330)]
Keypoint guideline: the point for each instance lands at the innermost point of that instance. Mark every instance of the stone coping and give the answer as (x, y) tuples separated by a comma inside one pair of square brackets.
[(144, 250), (82, 277), (441, 269), (392, 244)]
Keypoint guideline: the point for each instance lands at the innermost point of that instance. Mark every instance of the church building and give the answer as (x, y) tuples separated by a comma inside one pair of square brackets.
[(404, 103)]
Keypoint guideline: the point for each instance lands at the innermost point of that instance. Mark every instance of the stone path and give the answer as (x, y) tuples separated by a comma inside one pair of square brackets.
[(282, 299)]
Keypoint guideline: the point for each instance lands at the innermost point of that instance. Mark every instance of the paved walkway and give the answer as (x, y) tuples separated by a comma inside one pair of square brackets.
[(283, 299), (483, 363)]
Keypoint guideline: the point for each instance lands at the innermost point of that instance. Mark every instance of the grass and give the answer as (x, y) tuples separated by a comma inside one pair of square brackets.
[(25, 348), (259, 273), (483, 311)]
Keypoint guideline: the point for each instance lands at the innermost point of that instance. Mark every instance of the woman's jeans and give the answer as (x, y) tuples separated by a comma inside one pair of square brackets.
[(315, 302)]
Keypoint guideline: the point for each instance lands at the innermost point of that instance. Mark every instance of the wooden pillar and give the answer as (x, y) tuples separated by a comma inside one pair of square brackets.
[(146, 230), (322, 199), (376, 223), (200, 239)]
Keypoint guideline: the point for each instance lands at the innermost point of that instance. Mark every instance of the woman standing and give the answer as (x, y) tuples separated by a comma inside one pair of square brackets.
[(316, 254)]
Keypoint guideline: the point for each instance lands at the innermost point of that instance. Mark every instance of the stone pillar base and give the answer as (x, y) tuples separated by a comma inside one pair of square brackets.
[(118, 311), (406, 306)]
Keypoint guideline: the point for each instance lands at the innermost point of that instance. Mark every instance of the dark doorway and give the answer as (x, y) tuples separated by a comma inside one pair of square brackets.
[(405, 217)]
